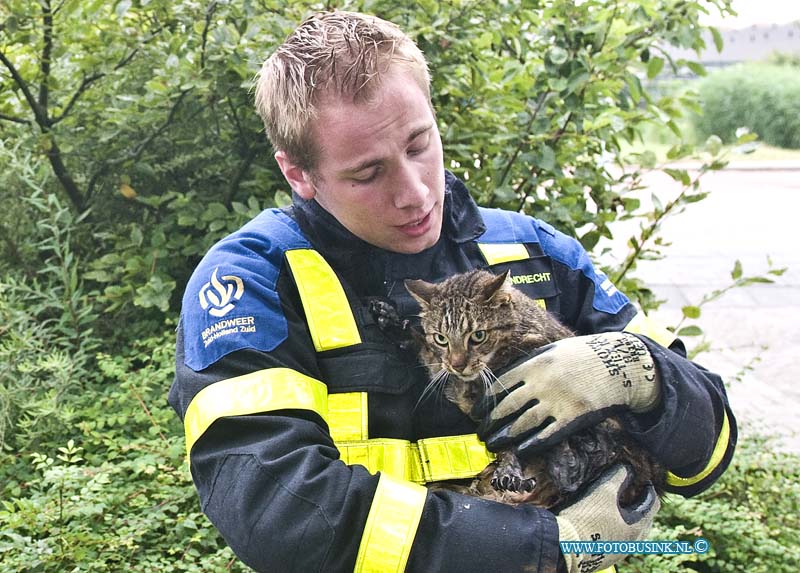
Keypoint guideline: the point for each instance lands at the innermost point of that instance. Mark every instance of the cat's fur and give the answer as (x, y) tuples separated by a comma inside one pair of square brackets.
[(473, 325)]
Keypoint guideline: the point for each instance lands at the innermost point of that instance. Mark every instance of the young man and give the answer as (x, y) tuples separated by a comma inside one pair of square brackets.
[(307, 446)]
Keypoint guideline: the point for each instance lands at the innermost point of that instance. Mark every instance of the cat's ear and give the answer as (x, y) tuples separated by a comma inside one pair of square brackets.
[(495, 291), (420, 290)]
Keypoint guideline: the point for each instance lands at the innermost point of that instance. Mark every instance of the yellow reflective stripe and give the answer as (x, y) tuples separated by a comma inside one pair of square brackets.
[(496, 253), (453, 457), (391, 526), (328, 314), (347, 416), (541, 303), (716, 457), (428, 460), (612, 569), (651, 328), (396, 458), (261, 391)]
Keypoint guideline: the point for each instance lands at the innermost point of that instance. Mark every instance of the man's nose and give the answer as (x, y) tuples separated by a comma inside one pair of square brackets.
[(409, 188)]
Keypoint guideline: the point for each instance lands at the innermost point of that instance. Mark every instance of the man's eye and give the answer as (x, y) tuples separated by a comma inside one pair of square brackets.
[(421, 143), (366, 179)]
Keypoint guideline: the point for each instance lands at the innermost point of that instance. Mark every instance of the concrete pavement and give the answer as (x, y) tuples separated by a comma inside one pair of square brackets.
[(752, 213)]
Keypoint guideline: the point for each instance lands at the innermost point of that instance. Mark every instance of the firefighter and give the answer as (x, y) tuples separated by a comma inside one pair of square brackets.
[(307, 441)]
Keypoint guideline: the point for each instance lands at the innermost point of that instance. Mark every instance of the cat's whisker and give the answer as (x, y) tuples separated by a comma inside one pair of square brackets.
[(488, 378), (435, 385)]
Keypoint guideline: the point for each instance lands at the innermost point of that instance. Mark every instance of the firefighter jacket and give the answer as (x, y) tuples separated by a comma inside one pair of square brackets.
[(306, 441)]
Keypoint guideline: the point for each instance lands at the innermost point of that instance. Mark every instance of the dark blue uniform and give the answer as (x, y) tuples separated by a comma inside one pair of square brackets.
[(276, 326)]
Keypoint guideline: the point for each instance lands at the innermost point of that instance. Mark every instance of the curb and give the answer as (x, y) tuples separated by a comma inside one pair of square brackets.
[(743, 166)]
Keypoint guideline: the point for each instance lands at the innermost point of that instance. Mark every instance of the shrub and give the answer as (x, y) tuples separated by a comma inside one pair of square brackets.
[(763, 98), (118, 495), (751, 517)]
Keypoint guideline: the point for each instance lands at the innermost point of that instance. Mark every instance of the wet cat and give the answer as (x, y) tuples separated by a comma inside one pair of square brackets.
[(473, 325)]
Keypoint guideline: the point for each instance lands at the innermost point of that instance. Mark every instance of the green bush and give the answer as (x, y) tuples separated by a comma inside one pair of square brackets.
[(765, 99), (117, 495), (751, 517)]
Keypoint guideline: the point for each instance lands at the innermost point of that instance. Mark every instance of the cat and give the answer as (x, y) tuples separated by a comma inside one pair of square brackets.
[(473, 325)]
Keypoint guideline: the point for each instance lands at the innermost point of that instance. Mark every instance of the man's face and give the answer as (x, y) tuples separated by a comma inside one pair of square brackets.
[(380, 171)]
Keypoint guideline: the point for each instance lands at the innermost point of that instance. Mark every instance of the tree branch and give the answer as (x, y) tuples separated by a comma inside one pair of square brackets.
[(47, 53), (41, 118), (523, 141), (233, 188), (137, 152), (64, 177), (87, 81), (209, 14), (14, 119)]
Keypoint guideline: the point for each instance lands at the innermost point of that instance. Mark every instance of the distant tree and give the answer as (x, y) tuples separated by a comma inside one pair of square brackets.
[(143, 112)]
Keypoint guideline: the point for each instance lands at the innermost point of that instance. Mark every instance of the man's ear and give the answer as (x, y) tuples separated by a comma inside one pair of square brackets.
[(298, 179)]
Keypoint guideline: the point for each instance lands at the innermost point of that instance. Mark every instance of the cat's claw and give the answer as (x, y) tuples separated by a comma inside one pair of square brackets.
[(512, 483)]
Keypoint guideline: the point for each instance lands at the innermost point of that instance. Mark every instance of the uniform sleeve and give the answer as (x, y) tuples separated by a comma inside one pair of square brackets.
[(693, 430), (270, 479)]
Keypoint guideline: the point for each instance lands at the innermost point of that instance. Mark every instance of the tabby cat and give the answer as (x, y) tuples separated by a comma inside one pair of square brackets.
[(475, 324)]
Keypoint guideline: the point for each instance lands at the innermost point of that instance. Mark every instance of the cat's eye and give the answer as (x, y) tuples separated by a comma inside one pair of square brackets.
[(440, 339), (478, 337)]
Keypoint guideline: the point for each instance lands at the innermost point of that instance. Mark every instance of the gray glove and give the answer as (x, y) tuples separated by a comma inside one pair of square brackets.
[(568, 385), (598, 516)]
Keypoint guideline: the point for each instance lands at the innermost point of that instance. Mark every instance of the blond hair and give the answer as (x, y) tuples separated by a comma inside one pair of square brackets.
[(340, 55)]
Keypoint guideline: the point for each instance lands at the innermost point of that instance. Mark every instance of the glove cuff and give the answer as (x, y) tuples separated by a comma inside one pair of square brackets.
[(645, 390), (567, 532)]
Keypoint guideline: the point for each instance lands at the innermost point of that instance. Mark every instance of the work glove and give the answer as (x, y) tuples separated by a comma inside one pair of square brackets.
[(566, 386), (598, 516)]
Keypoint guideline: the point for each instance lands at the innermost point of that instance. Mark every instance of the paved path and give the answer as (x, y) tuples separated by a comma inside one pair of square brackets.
[(755, 331)]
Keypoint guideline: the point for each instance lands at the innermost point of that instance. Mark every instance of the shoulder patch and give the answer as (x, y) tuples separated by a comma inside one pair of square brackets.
[(231, 302)]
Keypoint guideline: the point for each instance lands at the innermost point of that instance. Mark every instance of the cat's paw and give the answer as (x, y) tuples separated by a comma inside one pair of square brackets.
[(505, 479)]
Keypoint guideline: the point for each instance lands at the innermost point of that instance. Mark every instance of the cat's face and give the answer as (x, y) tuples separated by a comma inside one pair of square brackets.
[(464, 323), (461, 342)]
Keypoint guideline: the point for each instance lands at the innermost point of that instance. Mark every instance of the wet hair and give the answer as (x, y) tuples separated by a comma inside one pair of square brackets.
[(331, 56)]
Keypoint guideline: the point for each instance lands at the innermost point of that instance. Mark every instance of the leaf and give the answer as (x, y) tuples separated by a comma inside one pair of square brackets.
[(122, 8), (282, 199), (648, 159), (557, 55), (656, 203), (577, 79), (736, 273), (680, 175), (714, 145), (127, 191), (691, 312), (590, 239), (484, 40), (697, 68), (718, 41), (654, 67), (691, 330), (635, 87), (631, 203), (547, 159)]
